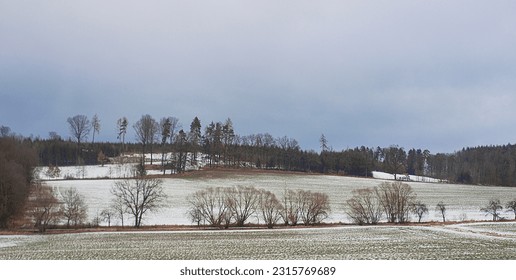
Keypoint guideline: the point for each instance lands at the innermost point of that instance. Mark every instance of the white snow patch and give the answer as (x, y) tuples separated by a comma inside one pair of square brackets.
[(405, 177)]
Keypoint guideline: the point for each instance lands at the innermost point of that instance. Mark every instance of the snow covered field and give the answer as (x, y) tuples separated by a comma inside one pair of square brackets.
[(463, 202), (465, 241), (479, 240)]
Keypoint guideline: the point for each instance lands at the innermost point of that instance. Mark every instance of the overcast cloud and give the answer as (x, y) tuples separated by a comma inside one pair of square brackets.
[(420, 74)]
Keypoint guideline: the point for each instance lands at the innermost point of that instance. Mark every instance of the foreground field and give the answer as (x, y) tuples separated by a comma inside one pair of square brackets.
[(463, 202), (462, 241)]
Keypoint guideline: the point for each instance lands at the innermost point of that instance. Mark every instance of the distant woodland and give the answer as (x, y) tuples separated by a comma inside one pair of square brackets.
[(221, 146)]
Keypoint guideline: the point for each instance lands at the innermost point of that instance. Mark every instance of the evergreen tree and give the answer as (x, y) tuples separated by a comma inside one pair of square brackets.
[(195, 138), (165, 130), (228, 136)]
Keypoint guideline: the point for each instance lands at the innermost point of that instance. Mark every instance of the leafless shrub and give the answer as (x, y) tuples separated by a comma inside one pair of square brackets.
[(364, 207), (107, 215), (270, 208), (305, 206), (242, 202), (119, 209), (43, 206), (224, 206), (73, 207), (292, 203), (210, 204), (315, 207), (396, 198)]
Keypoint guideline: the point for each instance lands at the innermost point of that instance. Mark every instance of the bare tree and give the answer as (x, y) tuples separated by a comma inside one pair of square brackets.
[(396, 198), (441, 207), (292, 203), (222, 206), (315, 207), (140, 195), (79, 128), (43, 206), (493, 208), (511, 207), (419, 209), (73, 207), (210, 203), (270, 208), (107, 215), (364, 207), (95, 222), (146, 129), (119, 209), (308, 207), (242, 202), (196, 216)]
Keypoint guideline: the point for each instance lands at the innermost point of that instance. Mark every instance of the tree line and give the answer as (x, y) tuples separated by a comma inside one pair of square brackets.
[(394, 201), (220, 145), (25, 201), (224, 207)]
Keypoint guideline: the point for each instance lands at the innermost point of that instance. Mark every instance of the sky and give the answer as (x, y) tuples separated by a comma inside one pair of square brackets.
[(437, 75)]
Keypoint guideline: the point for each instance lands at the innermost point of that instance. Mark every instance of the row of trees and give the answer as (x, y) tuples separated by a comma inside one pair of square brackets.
[(223, 207), (234, 206), (222, 146), (136, 197), (494, 208), (485, 165), (24, 200), (394, 200)]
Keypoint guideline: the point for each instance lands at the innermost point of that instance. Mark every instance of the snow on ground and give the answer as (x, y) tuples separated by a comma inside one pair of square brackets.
[(88, 172), (16, 240), (463, 202), (405, 177), (122, 167), (339, 243)]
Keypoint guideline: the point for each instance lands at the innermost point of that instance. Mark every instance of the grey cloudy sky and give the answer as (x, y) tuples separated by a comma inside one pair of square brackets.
[(425, 74)]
